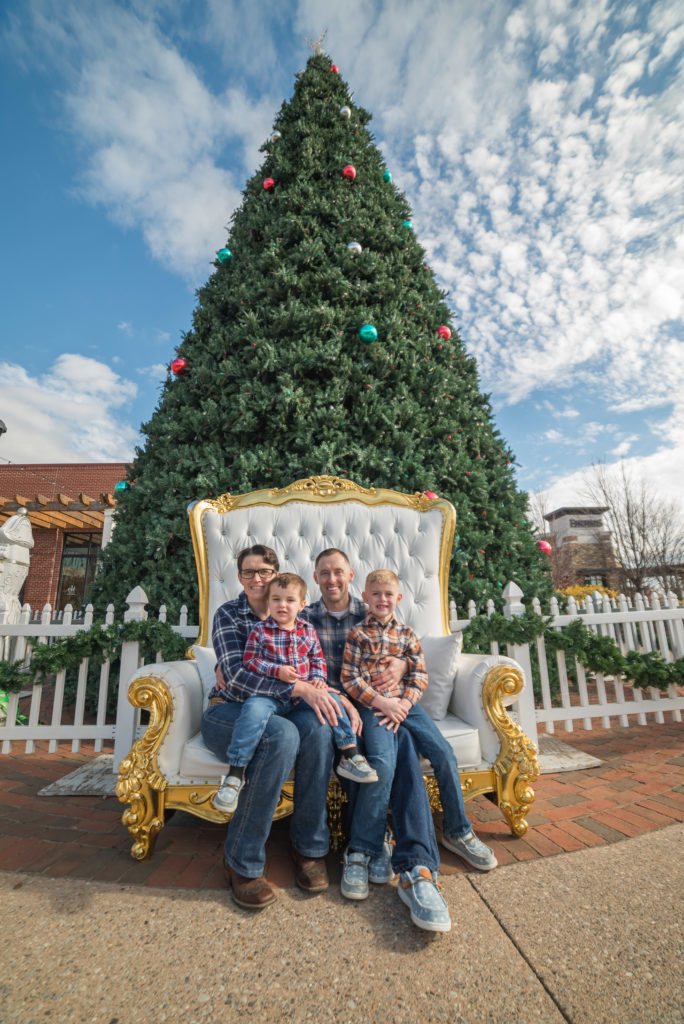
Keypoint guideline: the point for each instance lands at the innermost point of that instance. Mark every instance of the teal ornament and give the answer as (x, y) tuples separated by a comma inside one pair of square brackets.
[(354, 249), (368, 333), (122, 487), (387, 177), (407, 224), (224, 255)]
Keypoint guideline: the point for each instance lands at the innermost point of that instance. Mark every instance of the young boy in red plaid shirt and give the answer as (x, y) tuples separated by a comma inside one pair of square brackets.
[(285, 647)]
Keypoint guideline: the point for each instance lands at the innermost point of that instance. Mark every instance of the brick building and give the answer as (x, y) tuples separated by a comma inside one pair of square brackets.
[(70, 506), (581, 548)]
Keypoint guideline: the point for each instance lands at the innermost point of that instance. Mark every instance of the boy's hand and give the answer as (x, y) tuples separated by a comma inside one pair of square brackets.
[(390, 711), (286, 674), (392, 671), (320, 684)]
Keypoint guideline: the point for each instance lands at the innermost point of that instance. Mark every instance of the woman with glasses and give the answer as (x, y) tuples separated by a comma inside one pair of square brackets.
[(303, 739)]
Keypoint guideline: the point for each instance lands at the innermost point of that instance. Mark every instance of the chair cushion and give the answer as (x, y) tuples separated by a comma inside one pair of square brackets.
[(198, 765), (464, 740), (441, 659), (205, 659)]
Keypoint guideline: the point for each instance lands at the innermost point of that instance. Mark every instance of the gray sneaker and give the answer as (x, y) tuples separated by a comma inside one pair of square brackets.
[(357, 769), (419, 890), (472, 850), (354, 884), (226, 798), (380, 870)]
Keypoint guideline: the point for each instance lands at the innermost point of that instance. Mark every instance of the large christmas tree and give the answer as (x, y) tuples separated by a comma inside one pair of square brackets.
[(321, 344)]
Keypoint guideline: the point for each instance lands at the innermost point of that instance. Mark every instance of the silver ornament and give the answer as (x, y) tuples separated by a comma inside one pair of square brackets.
[(354, 249), (275, 136), (345, 113)]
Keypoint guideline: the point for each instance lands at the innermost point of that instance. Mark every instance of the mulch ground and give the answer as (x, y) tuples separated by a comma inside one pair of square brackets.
[(638, 788)]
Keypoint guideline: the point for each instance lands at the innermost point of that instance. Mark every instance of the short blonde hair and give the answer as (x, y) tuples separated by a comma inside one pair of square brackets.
[(382, 576), (287, 579)]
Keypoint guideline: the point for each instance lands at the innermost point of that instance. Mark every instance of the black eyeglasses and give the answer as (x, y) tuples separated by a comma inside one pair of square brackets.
[(263, 574)]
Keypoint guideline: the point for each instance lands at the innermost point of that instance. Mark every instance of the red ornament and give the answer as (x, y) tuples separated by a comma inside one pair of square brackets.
[(349, 172), (269, 184), (430, 494), (444, 332), (334, 68), (179, 366), (544, 547)]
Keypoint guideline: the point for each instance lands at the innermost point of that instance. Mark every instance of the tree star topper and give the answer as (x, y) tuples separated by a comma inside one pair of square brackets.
[(317, 44)]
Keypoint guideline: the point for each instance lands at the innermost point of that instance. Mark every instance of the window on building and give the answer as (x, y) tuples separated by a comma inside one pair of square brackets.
[(595, 581), (79, 561), (586, 524)]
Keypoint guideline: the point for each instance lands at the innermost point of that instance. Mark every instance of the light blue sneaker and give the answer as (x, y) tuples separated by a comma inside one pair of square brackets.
[(354, 884), (226, 798), (419, 890), (380, 870), (472, 850)]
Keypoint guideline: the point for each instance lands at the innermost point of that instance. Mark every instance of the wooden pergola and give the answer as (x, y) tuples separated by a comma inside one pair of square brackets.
[(64, 513)]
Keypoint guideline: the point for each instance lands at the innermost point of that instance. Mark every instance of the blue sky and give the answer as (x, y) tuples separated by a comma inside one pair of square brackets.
[(540, 145)]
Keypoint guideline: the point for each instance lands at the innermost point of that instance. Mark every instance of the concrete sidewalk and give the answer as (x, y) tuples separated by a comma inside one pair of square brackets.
[(592, 936)]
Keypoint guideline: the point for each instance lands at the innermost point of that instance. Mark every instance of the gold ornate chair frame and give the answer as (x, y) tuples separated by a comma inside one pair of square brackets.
[(173, 694)]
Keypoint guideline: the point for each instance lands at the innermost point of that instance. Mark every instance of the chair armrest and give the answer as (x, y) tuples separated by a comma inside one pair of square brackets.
[(468, 700), (173, 693)]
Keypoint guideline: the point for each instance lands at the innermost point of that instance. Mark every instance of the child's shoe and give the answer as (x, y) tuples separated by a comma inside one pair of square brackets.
[(419, 890), (380, 870), (226, 798), (354, 884), (472, 850), (357, 769)]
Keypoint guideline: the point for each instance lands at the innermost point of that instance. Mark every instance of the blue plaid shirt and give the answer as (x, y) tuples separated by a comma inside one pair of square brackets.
[(332, 633), (233, 623)]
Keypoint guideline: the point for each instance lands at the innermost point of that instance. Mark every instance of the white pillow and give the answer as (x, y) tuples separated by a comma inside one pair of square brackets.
[(441, 659), (205, 659)]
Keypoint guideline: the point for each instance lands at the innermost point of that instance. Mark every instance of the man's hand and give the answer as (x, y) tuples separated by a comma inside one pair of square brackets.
[(390, 710), (324, 706), (220, 681), (352, 713), (392, 671), (286, 674)]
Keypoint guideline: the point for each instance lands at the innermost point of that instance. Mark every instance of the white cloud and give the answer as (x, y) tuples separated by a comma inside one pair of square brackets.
[(73, 412)]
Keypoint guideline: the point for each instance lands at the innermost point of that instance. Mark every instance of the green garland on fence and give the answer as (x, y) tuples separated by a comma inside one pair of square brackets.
[(100, 642), (595, 653)]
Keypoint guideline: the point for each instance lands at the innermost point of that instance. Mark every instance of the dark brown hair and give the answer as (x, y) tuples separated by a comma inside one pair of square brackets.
[(268, 554)]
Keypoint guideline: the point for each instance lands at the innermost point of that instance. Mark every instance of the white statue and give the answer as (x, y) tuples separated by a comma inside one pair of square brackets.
[(16, 541)]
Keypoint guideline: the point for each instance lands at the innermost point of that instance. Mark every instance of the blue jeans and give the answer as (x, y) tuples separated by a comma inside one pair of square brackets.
[(400, 782), (431, 745), (299, 739), (253, 719), (381, 746)]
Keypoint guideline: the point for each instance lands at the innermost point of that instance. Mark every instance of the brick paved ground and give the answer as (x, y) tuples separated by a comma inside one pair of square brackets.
[(638, 788)]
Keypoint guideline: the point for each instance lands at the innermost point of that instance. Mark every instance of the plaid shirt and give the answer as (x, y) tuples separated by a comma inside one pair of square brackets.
[(372, 640), (233, 623), (269, 647), (332, 632)]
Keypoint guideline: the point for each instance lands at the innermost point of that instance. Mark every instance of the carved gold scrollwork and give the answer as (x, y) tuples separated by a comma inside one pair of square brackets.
[(516, 766), (140, 783), (433, 793), (322, 487), (336, 799)]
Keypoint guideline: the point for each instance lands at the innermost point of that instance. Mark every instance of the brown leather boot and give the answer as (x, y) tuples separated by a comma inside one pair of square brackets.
[(311, 874), (252, 893)]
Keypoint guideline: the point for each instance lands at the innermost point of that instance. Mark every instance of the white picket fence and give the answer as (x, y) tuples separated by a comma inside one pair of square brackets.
[(656, 624)]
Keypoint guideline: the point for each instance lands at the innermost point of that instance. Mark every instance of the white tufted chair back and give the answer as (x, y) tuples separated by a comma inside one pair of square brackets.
[(377, 529)]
